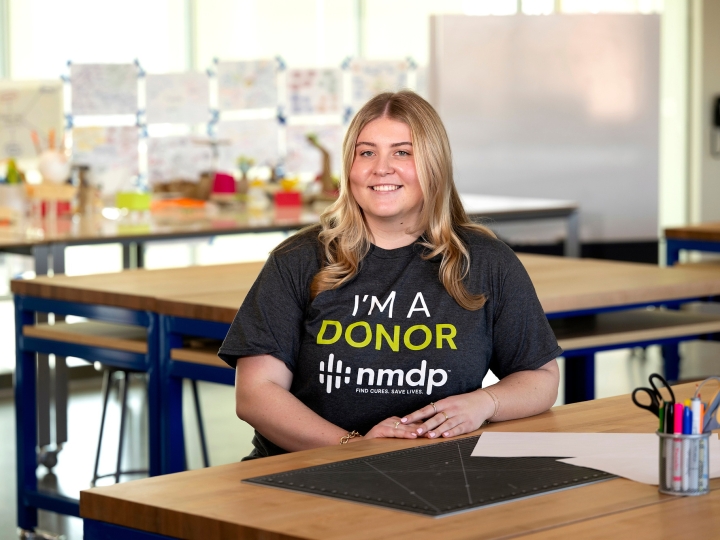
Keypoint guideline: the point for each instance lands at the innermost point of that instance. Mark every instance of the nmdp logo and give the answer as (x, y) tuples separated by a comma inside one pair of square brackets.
[(333, 375)]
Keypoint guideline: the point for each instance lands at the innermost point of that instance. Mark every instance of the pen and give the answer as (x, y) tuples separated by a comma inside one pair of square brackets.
[(661, 416), (669, 413), (686, 444), (677, 448), (695, 448)]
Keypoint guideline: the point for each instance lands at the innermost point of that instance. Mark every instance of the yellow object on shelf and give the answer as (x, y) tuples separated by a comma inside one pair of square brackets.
[(289, 184), (133, 200)]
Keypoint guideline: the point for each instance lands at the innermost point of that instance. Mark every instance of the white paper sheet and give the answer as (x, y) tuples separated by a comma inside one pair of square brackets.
[(630, 455), (111, 152), (371, 77), (314, 91), (247, 85), (27, 106), (563, 445), (177, 98), (639, 467), (104, 88)]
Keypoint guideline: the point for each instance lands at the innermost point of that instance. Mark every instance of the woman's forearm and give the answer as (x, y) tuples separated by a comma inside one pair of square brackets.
[(526, 393), (282, 418)]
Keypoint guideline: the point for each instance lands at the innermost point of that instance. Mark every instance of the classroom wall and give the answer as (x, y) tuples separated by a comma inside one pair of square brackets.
[(556, 107), (705, 80)]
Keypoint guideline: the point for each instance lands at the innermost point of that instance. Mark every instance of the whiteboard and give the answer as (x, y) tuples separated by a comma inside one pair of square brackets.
[(111, 152), (26, 107), (314, 91), (177, 98), (555, 107), (99, 89), (257, 139), (247, 85)]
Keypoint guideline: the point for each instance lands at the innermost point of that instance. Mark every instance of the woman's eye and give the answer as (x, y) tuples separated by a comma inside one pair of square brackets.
[(366, 153), (402, 153)]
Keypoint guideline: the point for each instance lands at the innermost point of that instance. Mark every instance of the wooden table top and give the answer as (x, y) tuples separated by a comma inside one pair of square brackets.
[(215, 292), (213, 503), (708, 232)]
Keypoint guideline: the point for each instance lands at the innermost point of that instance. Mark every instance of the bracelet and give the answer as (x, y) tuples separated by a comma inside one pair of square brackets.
[(351, 435), (495, 400)]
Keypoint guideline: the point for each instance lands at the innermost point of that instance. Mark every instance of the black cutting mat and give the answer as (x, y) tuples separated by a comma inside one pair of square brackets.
[(434, 480)]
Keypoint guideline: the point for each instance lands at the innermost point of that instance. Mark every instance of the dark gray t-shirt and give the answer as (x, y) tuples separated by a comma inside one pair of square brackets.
[(392, 339)]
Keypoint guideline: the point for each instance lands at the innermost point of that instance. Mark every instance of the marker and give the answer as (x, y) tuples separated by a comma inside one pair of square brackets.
[(686, 445), (703, 465), (696, 406), (669, 413), (661, 416), (677, 448)]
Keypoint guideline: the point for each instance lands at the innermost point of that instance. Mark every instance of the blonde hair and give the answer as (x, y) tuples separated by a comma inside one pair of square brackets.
[(344, 234)]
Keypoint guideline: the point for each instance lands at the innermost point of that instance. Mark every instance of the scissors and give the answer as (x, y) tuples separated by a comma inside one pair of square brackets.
[(656, 398), (710, 420)]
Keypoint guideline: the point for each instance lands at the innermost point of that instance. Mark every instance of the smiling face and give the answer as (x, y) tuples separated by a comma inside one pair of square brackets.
[(383, 178)]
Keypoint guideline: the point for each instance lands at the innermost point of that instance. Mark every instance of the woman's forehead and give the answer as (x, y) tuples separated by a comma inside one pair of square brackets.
[(385, 129)]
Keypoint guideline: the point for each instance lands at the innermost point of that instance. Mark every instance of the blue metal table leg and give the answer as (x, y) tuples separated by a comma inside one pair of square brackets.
[(173, 443), (672, 253), (25, 422), (579, 378), (155, 409), (671, 361)]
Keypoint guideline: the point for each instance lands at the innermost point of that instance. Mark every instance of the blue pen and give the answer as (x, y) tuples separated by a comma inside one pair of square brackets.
[(686, 444)]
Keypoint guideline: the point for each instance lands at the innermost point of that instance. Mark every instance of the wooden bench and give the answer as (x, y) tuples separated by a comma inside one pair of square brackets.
[(618, 328), (121, 337)]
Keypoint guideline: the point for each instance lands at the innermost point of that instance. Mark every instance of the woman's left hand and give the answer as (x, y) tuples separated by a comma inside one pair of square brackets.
[(453, 415)]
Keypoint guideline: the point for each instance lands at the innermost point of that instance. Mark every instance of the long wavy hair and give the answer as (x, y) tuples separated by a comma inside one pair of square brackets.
[(345, 236)]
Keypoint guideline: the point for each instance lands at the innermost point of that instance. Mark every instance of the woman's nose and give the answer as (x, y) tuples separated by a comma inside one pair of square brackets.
[(383, 167)]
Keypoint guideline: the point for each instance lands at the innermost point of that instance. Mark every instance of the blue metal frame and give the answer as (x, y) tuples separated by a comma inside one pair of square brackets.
[(673, 246), (99, 530), (580, 364), (173, 372), (29, 498)]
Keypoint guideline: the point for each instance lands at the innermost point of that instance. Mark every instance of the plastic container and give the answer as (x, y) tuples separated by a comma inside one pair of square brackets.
[(684, 464)]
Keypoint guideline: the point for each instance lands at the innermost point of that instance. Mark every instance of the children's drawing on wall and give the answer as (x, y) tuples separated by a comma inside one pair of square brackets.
[(104, 89), (29, 113), (247, 85), (110, 152), (314, 91), (372, 77), (177, 158), (256, 139), (177, 98)]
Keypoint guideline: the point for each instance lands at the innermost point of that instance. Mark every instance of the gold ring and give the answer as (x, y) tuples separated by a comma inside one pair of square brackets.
[(397, 424), (445, 415), (434, 407)]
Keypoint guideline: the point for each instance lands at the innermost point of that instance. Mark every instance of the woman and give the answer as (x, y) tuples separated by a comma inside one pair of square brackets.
[(383, 320)]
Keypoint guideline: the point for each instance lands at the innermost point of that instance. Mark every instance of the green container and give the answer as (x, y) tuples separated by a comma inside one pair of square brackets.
[(133, 201)]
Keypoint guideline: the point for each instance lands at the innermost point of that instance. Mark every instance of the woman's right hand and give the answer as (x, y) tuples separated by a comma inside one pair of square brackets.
[(390, 428)]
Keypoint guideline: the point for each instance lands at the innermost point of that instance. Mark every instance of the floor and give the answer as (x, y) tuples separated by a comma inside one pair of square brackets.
[(617, 372)]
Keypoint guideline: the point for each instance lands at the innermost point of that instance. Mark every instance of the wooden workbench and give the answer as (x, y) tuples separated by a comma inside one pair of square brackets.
[(701, 237), (563, 285), (214, 503)]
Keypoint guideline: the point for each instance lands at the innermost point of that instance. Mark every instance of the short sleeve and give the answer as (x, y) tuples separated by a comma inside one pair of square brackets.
[(270, 320), (522, 337)]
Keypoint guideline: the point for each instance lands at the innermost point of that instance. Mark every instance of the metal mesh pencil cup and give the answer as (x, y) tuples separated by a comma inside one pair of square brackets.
[(684, 464)]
